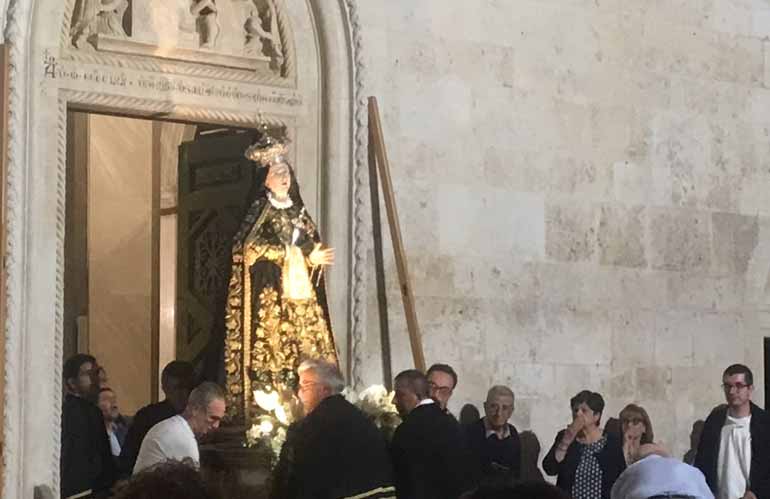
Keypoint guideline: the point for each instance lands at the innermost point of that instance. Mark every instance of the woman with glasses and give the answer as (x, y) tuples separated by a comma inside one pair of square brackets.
[(636, 430)]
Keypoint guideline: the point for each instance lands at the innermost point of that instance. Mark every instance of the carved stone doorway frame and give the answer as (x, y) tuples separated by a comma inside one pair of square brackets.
[(327, 125)]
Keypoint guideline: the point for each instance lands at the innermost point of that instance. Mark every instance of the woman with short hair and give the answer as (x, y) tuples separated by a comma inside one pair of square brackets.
[(586, 461)]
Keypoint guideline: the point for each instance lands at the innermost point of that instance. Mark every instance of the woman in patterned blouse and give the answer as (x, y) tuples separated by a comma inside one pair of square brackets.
[(586, 461)]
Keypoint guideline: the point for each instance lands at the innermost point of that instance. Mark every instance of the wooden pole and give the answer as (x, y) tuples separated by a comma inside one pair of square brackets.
[(379, 263), (395, 234)]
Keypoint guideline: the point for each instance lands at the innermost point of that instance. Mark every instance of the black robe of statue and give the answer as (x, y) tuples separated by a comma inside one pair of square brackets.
[(267, 333)]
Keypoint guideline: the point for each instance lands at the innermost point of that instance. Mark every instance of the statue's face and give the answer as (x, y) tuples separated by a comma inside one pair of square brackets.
[(279, 180)]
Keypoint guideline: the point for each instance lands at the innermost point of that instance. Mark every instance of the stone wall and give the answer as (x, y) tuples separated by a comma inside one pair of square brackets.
[(583, 190)]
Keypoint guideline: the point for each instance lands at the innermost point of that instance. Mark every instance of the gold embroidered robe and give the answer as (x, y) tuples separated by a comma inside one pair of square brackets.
[(268, 331)]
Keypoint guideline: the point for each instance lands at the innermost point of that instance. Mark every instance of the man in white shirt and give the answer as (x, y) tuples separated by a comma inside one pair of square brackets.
[(734, 451), (175, 438)]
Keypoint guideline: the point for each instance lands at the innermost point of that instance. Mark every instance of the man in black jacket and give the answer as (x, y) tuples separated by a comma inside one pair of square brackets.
[(86, 458), (493, 442), (429, 456), (335, 452), (176, 380), (734, 450)]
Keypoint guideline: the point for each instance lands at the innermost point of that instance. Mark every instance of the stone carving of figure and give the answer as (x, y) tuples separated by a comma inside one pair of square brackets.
[(276, 312), (92, 17), (262, 36), (208, 26)]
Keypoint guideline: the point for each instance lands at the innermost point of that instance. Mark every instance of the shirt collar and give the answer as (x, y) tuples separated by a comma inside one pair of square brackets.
[(426, 402), (489, 431), (281, 205)]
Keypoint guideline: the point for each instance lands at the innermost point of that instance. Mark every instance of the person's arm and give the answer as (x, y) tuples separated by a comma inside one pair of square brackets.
[(76, 474), (551, 465), (516, 442)]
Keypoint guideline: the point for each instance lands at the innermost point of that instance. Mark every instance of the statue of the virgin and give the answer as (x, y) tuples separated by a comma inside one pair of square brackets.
[(276, 312)]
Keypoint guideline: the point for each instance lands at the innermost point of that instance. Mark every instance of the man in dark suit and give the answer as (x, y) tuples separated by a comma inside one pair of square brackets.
[(734, 449), (429, 456), (86, 458), (493, 442), (176, 380), (335, 452)]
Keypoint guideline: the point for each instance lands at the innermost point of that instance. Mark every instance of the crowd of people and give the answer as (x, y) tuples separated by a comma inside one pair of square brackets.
[(336, 451)]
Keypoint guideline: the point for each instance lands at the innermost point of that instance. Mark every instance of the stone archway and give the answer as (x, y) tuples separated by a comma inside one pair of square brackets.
[(312, 86)]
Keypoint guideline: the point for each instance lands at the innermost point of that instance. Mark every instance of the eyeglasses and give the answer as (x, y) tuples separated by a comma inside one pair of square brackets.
[(439, 389), (633, 421), (728, 387)]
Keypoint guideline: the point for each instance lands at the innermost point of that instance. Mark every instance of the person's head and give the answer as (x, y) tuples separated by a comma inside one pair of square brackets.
[(79, 375), (499, 406), (635, 423), (442, 380), (278, 179), (469, 414), (318, 380), (738, 384), (410, 388), (176, 381), (167, 480), (108, 404), (589, 405), (205, 408)]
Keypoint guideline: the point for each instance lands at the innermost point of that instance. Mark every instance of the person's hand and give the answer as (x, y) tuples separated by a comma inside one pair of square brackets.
[(649, 449), (578, 423), (321, 256), (749, 495)]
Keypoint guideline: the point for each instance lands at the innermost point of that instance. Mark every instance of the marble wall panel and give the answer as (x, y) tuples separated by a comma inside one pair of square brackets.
[(621, 236), (735, 239), (571, 232), (680, 240), (590, 174)]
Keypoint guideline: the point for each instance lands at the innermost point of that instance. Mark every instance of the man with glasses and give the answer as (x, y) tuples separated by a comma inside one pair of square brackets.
[(87, 466), (734, 451), (442, 380), (335, 451)]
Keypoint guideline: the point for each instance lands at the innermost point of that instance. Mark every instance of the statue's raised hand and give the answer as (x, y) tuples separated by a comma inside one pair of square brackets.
[(321, 256)]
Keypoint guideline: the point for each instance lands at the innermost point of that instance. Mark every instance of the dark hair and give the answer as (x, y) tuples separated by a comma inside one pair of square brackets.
[(416, 381), (636, 410), (72, 366), (524, 490), (469, 414), (740, 369), (444, 368), (182, 371), (592, 399), (167, 480)]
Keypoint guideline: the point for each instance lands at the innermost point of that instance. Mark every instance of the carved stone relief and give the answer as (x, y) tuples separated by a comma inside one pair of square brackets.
[(94, 17), (242, 34)]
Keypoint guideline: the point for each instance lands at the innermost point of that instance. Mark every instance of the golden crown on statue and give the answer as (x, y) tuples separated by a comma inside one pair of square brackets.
[(268, 149)]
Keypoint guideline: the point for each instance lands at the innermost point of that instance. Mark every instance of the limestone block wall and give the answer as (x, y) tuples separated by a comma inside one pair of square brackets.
[(584, 191)]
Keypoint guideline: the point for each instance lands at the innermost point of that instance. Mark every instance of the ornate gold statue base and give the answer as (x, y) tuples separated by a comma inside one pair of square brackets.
[(234, 470)]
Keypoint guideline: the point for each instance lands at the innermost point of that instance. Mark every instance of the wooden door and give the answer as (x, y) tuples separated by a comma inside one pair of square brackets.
[(215, 189)]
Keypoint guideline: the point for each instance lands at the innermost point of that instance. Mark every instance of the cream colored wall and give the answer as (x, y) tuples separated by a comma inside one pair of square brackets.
[(119, 248), (584, 194)]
